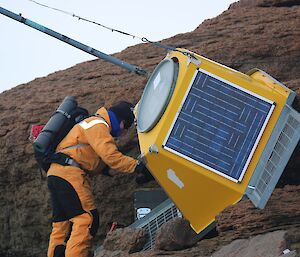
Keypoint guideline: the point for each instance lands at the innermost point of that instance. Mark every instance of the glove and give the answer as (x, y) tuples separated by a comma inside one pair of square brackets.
[(144, 175)]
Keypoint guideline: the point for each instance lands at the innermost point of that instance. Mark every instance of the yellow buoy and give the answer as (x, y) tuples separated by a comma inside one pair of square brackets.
[(209, 134)]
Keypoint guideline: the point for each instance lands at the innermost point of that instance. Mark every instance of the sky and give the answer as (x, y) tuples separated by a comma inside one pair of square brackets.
[(26, 54)]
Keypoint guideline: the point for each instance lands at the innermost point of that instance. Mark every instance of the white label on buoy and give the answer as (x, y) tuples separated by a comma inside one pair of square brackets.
[(173, 177)]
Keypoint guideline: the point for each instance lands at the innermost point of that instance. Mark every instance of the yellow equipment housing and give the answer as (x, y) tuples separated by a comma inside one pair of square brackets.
[(200, 190)]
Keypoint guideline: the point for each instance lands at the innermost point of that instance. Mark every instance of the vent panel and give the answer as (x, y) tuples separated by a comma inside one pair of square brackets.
[(278, 151)]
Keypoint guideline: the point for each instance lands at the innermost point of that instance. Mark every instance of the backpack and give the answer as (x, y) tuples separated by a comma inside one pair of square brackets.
[(61, 122)]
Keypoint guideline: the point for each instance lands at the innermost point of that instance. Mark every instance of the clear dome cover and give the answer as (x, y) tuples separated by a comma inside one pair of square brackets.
[(157, 94)]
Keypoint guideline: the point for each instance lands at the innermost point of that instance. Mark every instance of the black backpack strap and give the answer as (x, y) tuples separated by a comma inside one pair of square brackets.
[(64, 160)]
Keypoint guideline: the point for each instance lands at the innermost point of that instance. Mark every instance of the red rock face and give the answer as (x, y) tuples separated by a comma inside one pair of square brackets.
[(243, 220), (262, 33)]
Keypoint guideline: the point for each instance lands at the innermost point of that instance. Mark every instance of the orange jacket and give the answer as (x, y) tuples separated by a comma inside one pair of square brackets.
[(90, 142)]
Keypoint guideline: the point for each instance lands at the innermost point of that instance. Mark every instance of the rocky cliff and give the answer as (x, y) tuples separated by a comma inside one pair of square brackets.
[(251, 33)]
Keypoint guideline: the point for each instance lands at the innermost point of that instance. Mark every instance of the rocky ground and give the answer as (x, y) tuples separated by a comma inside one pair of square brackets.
[(242, 230), (251, 33)]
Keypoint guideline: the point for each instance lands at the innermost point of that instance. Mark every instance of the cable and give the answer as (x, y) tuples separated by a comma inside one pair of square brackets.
[(143, 39), (55, 9), (85, 19)]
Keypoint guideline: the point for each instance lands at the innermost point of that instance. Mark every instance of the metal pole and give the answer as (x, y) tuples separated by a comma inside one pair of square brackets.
[(72, 42)]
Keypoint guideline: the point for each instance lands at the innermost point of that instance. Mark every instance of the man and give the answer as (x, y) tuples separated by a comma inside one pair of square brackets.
[(88, 144)]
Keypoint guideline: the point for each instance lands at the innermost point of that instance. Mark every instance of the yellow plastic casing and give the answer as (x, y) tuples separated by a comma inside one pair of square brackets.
[(204, 193)]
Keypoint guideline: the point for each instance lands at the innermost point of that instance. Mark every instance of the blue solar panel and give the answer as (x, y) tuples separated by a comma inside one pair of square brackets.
[(219, 125)]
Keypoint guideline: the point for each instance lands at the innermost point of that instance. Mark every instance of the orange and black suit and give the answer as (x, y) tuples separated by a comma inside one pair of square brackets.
[(75, 217)]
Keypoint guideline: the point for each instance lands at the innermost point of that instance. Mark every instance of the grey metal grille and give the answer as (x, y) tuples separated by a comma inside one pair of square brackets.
[(280, 147), (163, 213), (281, 144), (152, 227), (155, 219)]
